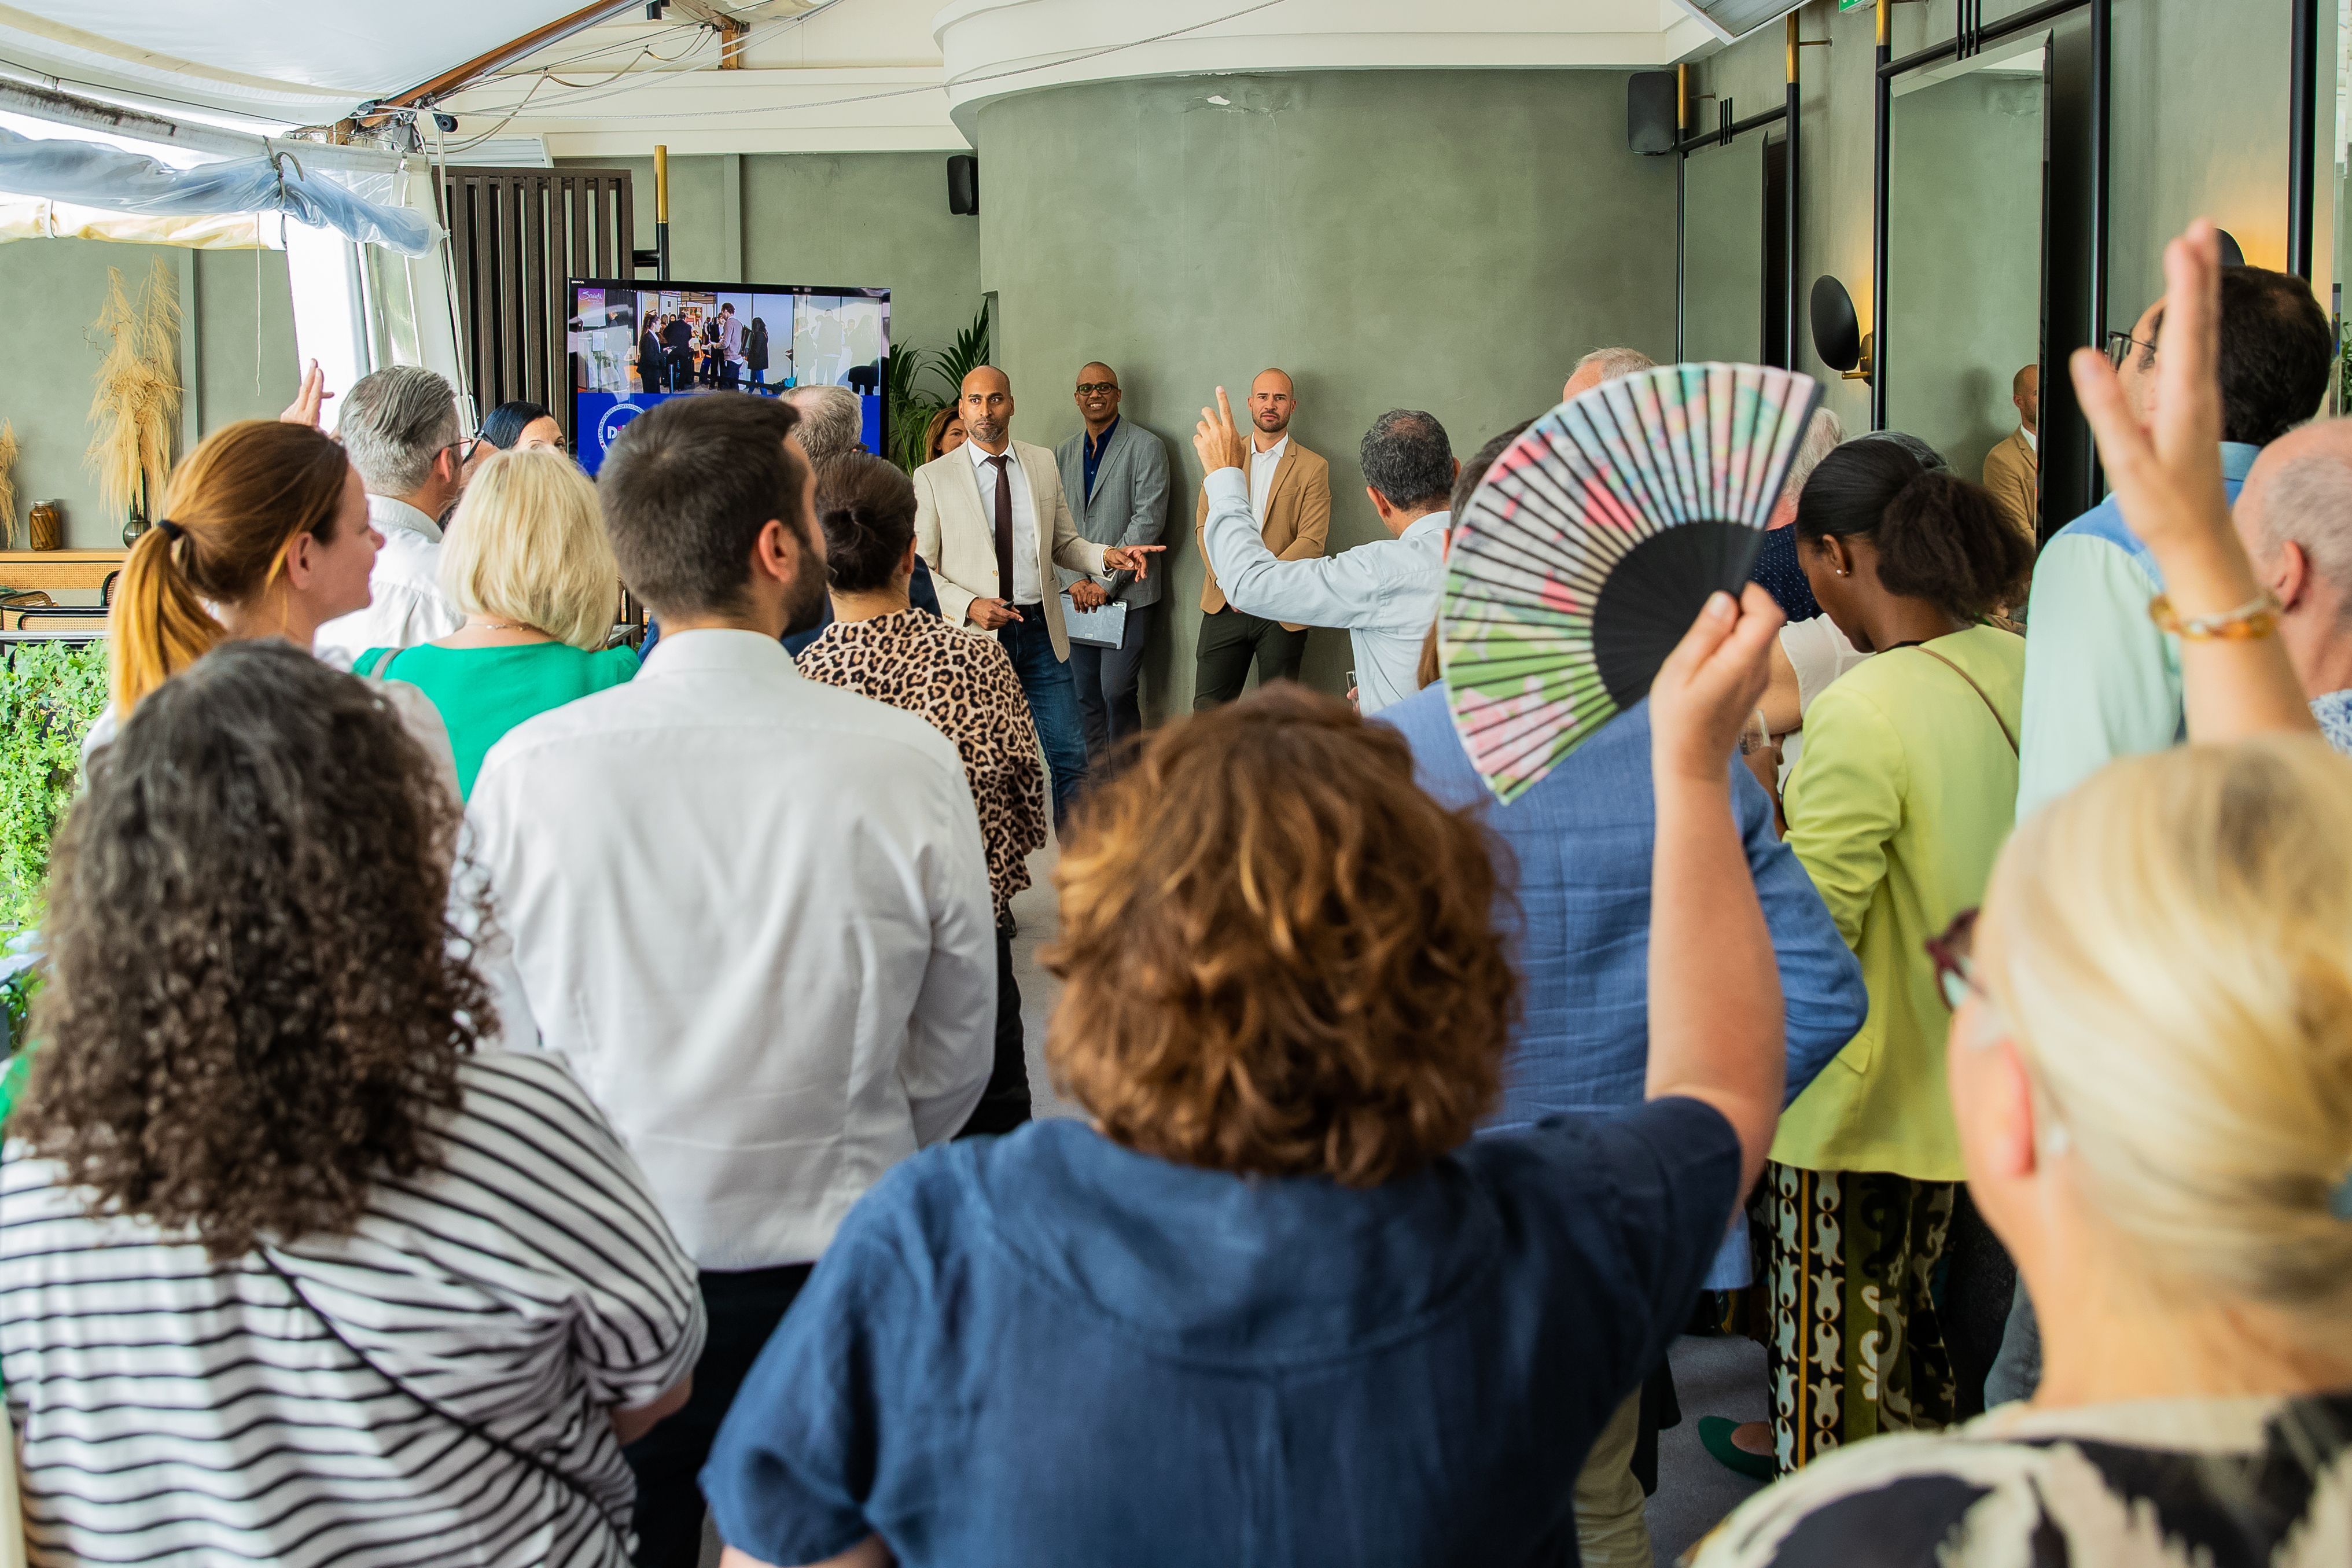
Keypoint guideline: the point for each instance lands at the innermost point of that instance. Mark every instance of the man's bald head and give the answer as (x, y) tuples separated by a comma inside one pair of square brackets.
[(986, 406), (1604, 365), (1272, 401), (2299, 493), (2295, 516), (2025, 391)]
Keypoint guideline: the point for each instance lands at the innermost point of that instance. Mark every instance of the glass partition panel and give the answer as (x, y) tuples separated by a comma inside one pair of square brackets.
[(1723, 252), (1960, 340)]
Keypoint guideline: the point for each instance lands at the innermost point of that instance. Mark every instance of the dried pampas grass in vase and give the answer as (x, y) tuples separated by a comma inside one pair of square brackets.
[(7, 485), (138, 398)]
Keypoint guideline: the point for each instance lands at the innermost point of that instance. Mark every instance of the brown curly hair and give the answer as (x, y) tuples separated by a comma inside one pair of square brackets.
[(258, 996), (1281, 957)]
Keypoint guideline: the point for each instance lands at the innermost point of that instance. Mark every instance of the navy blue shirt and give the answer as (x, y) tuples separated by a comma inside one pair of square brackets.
[(1046, 1348), (1778, 572), (1095, 449)]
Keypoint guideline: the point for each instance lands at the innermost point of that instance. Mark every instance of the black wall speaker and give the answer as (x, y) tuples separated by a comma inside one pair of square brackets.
[(1651, 111), (963, 185)]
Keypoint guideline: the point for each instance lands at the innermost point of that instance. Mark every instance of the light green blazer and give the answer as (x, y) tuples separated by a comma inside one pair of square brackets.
[(1904, 793)]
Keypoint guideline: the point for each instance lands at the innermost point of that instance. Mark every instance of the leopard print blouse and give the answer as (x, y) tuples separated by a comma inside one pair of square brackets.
[(962, 681)]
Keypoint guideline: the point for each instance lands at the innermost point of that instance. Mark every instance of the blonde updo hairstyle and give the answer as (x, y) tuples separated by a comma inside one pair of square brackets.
[(2172, 945), (528, 546)]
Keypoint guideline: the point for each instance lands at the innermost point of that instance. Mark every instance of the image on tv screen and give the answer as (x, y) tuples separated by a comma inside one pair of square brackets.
[(634, 345)]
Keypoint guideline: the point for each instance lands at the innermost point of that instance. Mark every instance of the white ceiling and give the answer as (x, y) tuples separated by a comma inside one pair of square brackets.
[(853, 74)]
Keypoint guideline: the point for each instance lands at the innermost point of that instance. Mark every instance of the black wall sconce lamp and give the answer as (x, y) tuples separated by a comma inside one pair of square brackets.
[(1838, 337)]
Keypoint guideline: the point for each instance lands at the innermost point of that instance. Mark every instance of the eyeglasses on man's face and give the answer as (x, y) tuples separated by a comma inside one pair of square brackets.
[(1088, 388), (2120, 345)]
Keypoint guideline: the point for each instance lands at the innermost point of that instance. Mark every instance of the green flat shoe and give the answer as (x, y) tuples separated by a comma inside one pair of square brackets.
[(1715, 1437)]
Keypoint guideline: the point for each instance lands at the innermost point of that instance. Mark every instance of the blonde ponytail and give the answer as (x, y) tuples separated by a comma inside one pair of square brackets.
[(159, 625), (234, 508), (2174, 949)]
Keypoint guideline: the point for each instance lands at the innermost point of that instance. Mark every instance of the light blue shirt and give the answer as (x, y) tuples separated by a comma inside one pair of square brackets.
[(2101, 682), (1384, 593)]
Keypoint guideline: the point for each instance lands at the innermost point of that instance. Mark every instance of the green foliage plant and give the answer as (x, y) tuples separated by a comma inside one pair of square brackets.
[(50, 694), (912, 402)]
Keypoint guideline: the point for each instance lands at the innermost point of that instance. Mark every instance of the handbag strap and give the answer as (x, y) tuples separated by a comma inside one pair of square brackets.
[(2006, 733), (553, 1472)]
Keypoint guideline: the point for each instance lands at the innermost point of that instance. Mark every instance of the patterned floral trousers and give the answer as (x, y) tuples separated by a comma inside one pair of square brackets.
[(1857, 1346)]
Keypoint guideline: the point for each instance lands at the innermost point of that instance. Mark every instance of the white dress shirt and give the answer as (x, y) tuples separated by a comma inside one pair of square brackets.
[(752, 911), (1262, 466), (406, 606), (1026, 589), (2032, 445), (1384, 593)]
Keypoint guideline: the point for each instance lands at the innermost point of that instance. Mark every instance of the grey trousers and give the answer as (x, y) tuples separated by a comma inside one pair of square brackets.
[(1106, 678)]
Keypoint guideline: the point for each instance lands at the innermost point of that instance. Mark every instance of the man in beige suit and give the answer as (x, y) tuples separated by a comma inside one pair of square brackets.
[(1290, 493), (2012, 470), (991, 523)]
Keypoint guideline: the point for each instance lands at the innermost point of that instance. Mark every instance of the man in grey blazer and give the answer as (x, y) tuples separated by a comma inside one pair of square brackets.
[(1115, 476)]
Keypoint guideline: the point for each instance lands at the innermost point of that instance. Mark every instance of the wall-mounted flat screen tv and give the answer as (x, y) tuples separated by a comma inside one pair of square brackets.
[(637, 344)]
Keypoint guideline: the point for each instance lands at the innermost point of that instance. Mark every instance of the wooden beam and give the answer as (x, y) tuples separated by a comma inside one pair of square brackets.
[(730, 30)]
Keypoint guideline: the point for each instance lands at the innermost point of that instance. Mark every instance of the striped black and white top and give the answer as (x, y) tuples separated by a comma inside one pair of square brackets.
[(176, 1410)]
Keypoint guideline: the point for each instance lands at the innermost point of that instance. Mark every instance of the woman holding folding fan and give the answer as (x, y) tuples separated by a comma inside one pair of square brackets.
[(1906, 791)]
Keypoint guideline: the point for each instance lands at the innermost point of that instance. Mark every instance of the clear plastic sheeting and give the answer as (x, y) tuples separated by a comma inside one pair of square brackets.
[(88, 173)]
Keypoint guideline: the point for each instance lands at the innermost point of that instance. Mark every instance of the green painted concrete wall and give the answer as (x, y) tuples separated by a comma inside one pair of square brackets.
[(1964, 259), (2200, 126), (243, 365), (1444, 240), (868, 219)]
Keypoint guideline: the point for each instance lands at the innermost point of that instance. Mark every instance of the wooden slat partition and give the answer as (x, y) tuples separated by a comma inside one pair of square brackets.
[(515, 236)]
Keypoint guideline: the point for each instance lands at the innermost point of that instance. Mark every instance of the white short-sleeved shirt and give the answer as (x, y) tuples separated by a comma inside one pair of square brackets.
[(177, 1410)]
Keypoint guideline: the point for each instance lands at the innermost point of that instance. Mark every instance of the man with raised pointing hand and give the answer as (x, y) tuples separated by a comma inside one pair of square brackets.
[(991, 522), (1384, 593)]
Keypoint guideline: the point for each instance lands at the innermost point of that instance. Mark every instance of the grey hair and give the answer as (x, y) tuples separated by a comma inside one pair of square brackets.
[(1821, 438), (1615, 362), (393, 422), (2309, 500), (1406, 457), (832, 418)]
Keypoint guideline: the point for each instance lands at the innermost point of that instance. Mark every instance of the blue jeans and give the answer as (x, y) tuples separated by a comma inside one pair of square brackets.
[(1053, 704)]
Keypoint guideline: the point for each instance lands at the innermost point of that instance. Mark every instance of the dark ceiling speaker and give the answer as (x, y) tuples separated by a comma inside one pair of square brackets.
[(2232, 254), (1837, 331), (963, 185), (1652, 108)]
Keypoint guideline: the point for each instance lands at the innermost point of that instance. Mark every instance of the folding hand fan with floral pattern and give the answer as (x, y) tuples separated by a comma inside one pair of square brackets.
[(1591, 543)]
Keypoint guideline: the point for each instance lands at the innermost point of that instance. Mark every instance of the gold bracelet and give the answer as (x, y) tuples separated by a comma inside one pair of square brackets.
[(2257, 617)]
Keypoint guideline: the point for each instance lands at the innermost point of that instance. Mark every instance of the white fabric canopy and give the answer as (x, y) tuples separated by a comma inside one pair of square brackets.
[(298, 65)]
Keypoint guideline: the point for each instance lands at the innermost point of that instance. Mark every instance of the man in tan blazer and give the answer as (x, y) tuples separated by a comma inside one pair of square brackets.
[(2012, 470), (991, 523), (1290, 493)]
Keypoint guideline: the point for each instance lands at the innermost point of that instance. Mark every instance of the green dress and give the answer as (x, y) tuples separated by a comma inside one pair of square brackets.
[(483, 692)]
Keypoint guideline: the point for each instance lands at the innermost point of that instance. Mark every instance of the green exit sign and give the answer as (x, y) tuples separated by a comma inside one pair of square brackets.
[(1855, 5)]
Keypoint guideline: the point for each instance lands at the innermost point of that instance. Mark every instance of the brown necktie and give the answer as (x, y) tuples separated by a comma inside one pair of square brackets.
[(1003, 528)]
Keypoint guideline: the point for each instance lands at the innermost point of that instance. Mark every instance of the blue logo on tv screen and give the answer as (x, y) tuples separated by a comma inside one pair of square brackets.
[(600, 418)]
